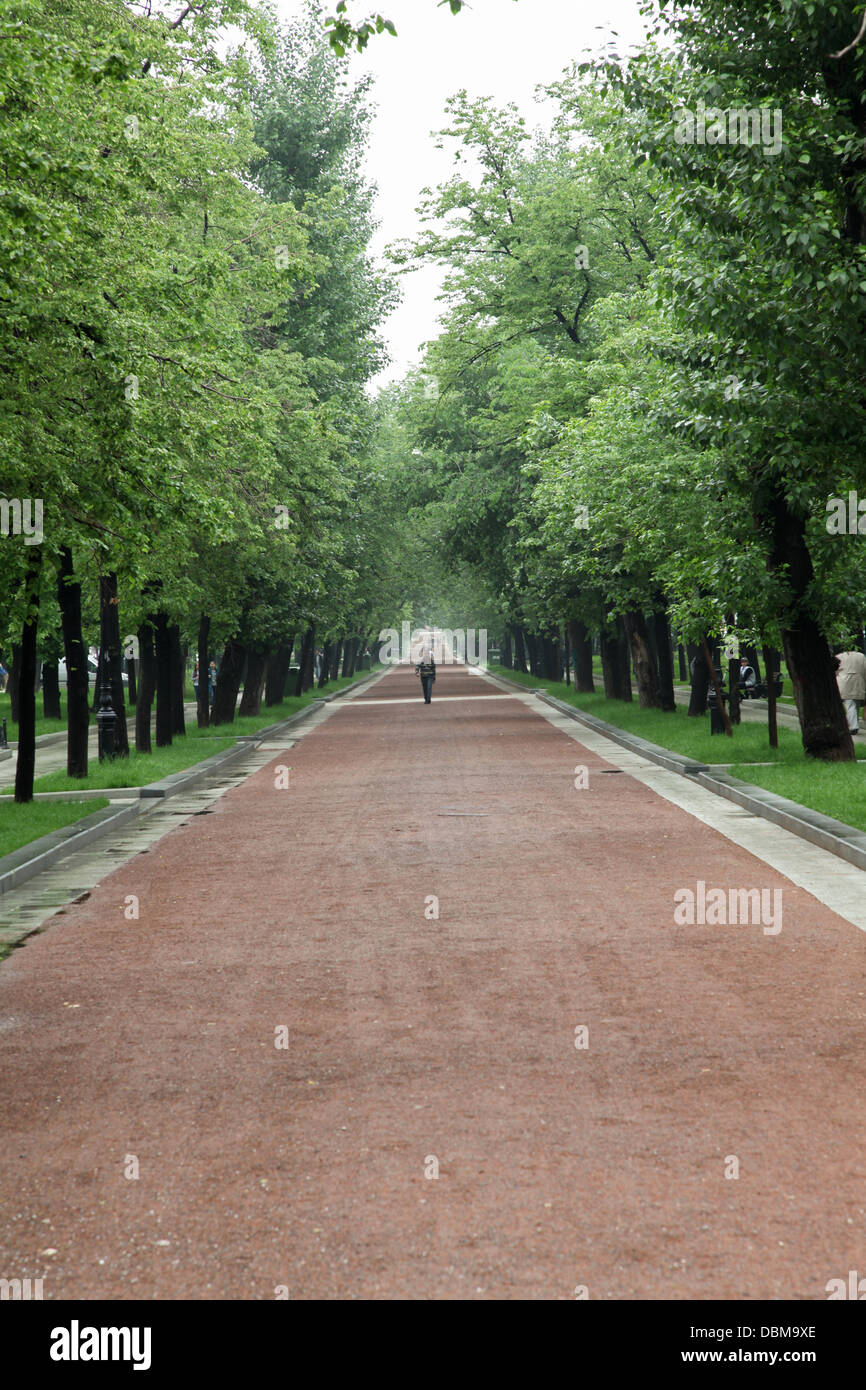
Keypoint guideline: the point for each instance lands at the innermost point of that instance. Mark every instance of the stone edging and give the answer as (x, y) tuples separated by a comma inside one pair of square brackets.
[(29, 860), (835, 836)]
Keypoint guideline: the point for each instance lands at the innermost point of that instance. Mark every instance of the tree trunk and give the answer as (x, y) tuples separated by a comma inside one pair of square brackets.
[(162, 644), (146, 687), (532, 651), (305, 659), (257, 670), (615, 663), (700, 680), (308, 667), (14, 682), (507, 658), (75, 656), (645, 668), (131, 688), (228, 682), (823, 723), (51, 690), (734, 689), (348, 645), (519, 651), (178, 680), (581, 644), (664, 655), (25, 767), (202, 702), (326, 664), (681, 657), (113, 656), (336, 658), (550, 658), (278, 671), (770, 668)]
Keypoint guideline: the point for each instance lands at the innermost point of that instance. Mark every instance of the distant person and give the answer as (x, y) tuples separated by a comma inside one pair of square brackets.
[(4, 676), (851, 680), (426, 669), (746, 678), (211, 683)]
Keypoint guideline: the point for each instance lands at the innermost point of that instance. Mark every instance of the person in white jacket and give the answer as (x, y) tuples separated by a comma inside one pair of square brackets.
[(851, 680)]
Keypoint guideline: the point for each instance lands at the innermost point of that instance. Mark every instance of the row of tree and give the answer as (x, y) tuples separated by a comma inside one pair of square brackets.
[(188, 318), (646, 402)]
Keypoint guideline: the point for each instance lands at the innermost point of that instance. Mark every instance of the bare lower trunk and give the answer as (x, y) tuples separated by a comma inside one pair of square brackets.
[(228, 682), (113, 657), (823, 723), (162, 644), (257, 670), (664, 656), (146, 687), (75, 655), (615, 663), (278, 671), (202, 698), (25, 766), (581, 645), (772, 725)]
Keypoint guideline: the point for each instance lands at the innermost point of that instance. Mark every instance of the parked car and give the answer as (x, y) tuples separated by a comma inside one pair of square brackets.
[(92, 669)]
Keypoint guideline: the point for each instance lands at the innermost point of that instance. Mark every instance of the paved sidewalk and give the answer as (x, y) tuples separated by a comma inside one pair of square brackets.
[(420, 1043)]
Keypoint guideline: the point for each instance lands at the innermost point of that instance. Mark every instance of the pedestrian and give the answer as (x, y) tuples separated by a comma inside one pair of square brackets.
[(195, 680), (851, 680), (4, 676), (746, 678), (426, 669), (211, 683)]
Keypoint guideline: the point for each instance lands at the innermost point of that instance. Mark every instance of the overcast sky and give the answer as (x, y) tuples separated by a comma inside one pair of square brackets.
[(499, 48)]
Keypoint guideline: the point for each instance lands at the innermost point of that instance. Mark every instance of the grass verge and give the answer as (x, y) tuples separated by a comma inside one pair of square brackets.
[(21, 824), (677, 732), (834, 789)]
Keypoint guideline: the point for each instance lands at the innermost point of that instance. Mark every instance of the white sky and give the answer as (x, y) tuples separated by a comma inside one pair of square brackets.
[(499, 48)]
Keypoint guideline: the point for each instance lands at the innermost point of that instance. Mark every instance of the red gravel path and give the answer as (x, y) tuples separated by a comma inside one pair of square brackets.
[(454, 1038)]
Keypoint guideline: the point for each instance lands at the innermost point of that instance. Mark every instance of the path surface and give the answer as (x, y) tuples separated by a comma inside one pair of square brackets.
[(150, 1043)]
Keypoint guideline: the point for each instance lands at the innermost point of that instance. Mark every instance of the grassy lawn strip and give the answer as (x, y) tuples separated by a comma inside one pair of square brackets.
[(21, 824), (43, 726), (136, 770), (677, 732), (834, 789)]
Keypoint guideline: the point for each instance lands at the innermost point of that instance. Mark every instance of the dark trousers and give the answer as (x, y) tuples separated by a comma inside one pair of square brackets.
[(427, 687)]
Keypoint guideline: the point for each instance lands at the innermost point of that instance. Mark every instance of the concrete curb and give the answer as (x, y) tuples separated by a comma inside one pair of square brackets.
[(835, 836), (29, 860), (199, 772)]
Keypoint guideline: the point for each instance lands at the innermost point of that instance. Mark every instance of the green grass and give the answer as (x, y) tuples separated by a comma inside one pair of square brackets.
[(136, 770), (43, 726), (676, 731), (835, 789), (21, 824)]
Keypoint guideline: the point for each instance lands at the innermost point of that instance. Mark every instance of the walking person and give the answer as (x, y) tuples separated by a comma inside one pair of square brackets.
[(851, 680), (426, 669)]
